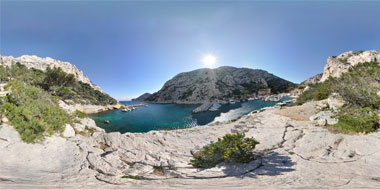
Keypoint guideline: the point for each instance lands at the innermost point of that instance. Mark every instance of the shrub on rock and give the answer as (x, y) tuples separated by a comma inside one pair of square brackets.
[(33, 112), (231, 148)]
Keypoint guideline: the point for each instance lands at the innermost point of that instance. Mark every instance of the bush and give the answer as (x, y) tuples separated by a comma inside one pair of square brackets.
[(80, 114), (57, 83), (358, 119), (231, 148), (33, 112), (360, 85), (317, 92), (57, 77)]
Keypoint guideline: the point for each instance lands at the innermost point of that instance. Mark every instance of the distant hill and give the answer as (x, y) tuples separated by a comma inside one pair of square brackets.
[(312, 80), (142, 97), (210, 84)]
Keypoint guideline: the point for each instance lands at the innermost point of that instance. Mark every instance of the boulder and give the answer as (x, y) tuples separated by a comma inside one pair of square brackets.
[(68, 132), (68, 108), (324, 118)]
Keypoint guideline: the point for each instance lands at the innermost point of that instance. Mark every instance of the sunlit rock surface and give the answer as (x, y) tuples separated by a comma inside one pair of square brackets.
[(339, 64), (292, 154), (32, 61)]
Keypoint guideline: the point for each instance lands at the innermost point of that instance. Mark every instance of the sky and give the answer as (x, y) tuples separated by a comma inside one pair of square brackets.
[(130, 47)]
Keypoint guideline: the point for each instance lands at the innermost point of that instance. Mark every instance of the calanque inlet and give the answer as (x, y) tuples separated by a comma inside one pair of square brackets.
[(326, 136)]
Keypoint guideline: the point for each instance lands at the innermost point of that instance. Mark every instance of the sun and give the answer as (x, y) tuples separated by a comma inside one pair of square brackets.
[(209, 60)]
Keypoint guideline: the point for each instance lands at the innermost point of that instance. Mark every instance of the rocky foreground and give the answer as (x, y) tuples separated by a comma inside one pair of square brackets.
[(294, 153)]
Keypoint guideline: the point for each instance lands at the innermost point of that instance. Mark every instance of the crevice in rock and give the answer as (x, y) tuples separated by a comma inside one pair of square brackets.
[(348, 182), (102, 180)]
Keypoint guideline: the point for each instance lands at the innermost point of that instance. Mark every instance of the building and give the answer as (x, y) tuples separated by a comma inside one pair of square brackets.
[(264, 92)]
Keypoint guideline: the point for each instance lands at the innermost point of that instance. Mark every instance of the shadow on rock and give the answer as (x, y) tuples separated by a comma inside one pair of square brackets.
[(271, 164)]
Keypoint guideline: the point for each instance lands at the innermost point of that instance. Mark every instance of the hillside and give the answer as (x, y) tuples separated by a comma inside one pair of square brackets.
[(312, 80), (211, 84), (336, 65), (32, 61), (350, 87), (59, 78)]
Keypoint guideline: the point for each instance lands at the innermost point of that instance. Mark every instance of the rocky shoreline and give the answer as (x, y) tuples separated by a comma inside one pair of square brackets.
[(292, 155)]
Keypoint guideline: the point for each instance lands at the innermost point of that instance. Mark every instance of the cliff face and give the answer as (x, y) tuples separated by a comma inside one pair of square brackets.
[(209, 84), (337, 65), (32, 61), (312, 80)]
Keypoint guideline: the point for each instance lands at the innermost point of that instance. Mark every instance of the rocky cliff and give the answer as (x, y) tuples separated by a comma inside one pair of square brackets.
[(312, 80), (32, 61), (203, 85), (337, 65)]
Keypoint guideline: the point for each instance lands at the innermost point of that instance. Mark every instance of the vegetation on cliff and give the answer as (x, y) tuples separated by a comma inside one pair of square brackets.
[(32, 105), (33, 112), (57, 83), (231, 148), (359, 88)]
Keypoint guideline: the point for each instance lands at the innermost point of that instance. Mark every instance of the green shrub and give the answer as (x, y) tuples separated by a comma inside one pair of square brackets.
[(33, 112), (360, 85), (358, 119), (317, 92), (80, 114), (57, 77), (56, 82), (231, 148)]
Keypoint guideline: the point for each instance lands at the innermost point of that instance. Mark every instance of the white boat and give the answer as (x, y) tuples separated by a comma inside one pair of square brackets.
[(125, 110), (215, 107)]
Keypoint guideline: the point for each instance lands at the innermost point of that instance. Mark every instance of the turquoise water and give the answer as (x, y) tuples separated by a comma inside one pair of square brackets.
[(171, 116)]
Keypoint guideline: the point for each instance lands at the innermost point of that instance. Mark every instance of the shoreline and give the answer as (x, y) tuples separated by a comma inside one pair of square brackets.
[(291, 156), (223, 117), (94, 109)]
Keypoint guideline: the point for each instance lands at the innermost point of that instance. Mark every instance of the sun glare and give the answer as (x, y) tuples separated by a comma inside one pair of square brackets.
[(209, 60)]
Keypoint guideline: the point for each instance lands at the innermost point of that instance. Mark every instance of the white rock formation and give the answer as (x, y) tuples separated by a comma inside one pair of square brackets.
[(32, 61), (293, 154), (324, 118), (69, 131), (337, 65)]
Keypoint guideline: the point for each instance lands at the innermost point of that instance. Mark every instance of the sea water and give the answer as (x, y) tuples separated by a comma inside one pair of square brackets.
[(171, 116)]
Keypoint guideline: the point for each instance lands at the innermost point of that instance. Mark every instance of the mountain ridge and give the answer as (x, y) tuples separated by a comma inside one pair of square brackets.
[(207, 84), (33, 61)]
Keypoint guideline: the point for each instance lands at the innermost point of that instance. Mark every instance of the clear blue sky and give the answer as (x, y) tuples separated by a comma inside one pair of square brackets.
[(129, 48)]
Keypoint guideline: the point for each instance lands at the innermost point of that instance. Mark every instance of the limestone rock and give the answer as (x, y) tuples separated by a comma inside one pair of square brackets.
[(324, 118), (339, 64), (203, 85), (69, 131), (68, 108), (291, 154), (335, 101), (312, 80), (32, 61)]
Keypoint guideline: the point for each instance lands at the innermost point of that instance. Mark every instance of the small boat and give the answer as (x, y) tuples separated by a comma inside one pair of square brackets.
[(125, 110), (215, 107), (223, 102), (107, 121), (231, 101)]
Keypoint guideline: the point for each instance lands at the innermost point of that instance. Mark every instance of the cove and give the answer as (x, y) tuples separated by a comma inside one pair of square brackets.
[(171, 116)]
